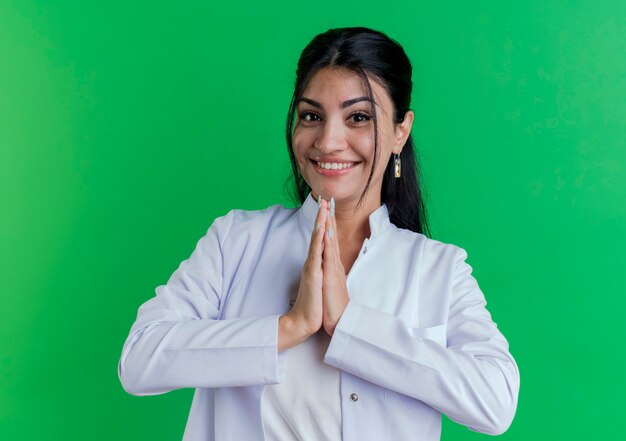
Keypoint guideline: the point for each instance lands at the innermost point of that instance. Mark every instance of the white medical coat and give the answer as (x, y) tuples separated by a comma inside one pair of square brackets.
[(414, 341)]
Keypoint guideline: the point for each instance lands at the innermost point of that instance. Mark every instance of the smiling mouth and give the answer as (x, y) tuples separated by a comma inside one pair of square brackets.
[(334, 165)]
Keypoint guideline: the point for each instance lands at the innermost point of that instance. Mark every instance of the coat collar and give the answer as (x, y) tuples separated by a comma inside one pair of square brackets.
[(378, 219)]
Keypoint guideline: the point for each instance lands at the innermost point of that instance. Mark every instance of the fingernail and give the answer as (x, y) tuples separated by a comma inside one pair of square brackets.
[(332, 207), (330, 232), (317, 228), (319, 200)]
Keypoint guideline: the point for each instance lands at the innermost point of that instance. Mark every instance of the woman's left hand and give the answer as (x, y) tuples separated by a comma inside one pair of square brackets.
[(335, 296)]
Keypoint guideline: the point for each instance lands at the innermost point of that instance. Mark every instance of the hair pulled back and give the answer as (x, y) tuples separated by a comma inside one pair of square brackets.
[(367, 53)]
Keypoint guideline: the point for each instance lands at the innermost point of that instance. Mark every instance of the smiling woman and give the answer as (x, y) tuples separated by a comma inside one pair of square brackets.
[(340, 319), (335, 133)]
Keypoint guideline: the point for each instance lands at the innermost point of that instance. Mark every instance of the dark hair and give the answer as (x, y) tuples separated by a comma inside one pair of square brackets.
[(367, 52)]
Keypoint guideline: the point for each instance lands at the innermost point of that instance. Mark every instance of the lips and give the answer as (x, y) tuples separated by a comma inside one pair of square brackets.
[(334, 168), (335, 165)]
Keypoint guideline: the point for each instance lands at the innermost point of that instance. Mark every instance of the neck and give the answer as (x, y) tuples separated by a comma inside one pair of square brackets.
[(353, 225)]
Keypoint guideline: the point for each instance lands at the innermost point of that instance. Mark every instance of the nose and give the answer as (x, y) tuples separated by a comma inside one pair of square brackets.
[(331, 137)]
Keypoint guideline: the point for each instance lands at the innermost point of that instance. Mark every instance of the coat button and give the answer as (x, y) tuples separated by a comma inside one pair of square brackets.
[(354, 397), (292, 302)]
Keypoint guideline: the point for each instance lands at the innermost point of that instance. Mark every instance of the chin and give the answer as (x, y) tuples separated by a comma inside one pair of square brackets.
[(338, 194), (341, 191)]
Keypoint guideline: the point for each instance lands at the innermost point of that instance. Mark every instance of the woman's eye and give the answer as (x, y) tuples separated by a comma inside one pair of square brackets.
[(360, 117), (309, 116)]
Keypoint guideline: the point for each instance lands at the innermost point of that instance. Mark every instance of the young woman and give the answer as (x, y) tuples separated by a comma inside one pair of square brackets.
[(341, 319)]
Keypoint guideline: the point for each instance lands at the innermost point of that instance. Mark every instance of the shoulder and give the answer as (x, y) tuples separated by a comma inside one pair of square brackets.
[(429, 250), (435, 263), (237, 221)]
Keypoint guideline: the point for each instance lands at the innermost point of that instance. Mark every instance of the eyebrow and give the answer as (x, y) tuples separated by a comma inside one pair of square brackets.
[(345, 104)]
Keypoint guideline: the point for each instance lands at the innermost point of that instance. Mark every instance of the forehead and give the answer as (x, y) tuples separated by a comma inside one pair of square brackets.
[(336, 85)]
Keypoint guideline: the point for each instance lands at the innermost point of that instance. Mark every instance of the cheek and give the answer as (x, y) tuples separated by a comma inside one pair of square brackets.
[(385, 143), (301, 141), (363, 143), (299, 150)]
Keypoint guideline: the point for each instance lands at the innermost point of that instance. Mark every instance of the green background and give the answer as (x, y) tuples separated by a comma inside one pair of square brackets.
[(127, 127)]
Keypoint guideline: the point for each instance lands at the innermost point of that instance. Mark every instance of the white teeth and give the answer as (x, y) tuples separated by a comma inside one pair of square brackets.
[(335, 165)]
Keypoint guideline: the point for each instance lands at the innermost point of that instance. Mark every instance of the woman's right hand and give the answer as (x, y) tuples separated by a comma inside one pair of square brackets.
[(305, 318)]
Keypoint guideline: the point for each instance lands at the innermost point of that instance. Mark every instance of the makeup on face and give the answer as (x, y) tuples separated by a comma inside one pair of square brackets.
[(333, 138)]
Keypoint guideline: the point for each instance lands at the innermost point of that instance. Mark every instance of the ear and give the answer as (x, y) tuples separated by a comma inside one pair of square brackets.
[(402, 131)]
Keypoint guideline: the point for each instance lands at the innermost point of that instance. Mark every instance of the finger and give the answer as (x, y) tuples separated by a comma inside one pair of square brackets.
[(332, 235), (317, 237), (330, 254), (332, 220), (316, 224), (335, 236)]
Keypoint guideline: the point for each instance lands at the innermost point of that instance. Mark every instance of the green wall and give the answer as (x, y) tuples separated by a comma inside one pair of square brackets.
[(127, 127)]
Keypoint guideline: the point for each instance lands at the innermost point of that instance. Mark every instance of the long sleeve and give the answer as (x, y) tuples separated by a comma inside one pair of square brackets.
[(472, 378), (178, 340)]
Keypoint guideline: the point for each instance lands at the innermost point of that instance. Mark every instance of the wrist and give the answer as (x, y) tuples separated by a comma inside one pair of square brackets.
[(291, 332)]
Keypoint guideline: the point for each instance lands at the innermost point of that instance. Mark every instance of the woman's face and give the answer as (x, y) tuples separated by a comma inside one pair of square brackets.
[(333, 138)]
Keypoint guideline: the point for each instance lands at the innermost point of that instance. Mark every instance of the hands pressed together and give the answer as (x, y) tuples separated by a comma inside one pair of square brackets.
[(323, 293)]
